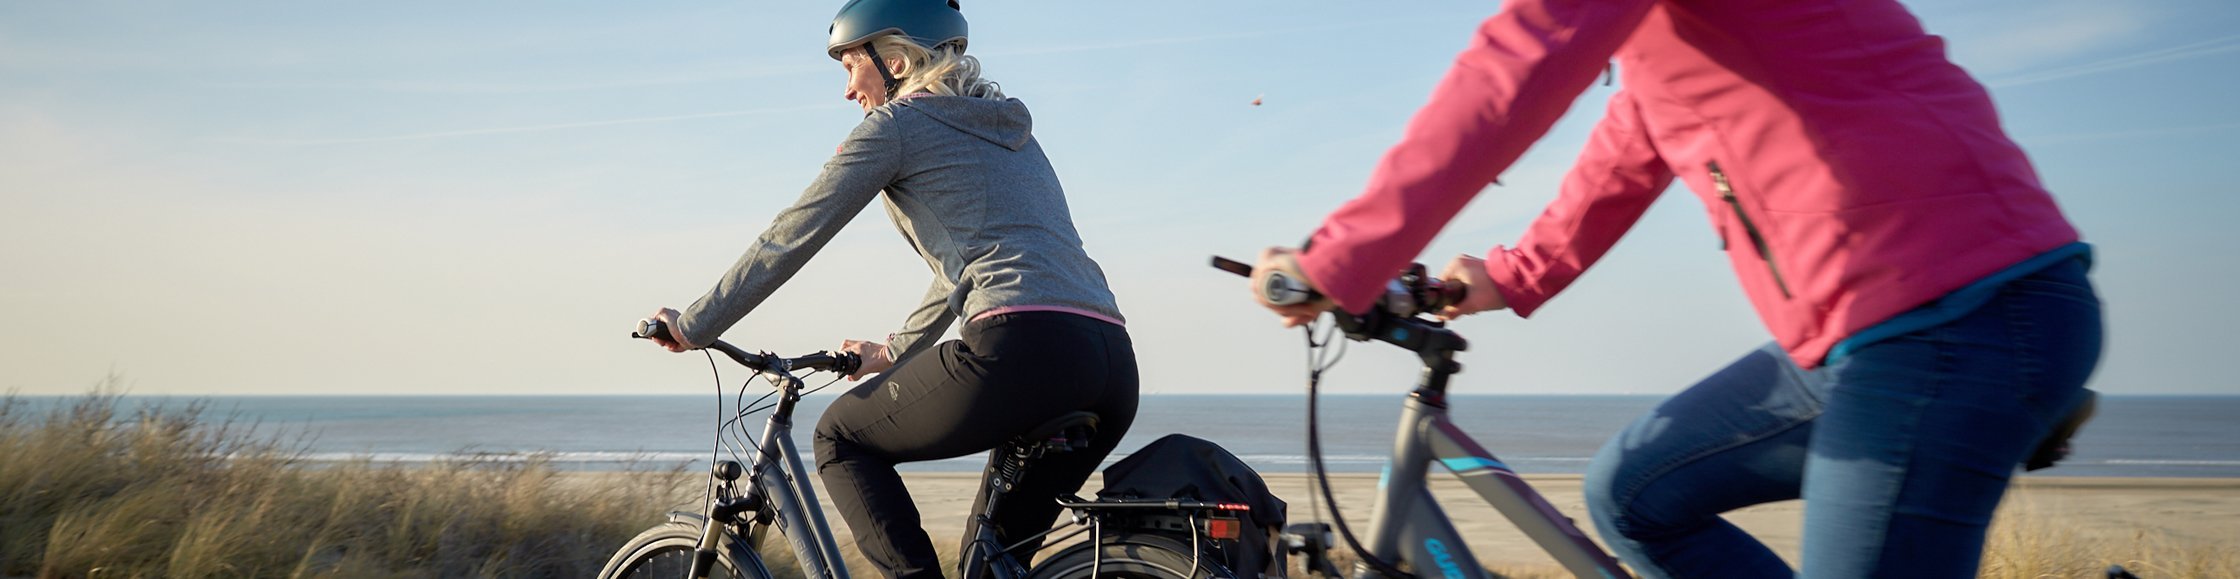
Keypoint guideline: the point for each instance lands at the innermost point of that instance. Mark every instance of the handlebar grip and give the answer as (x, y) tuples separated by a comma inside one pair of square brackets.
[(648, 328), (1232, 266), (1446, 293), (1278, 289), (846, 362), (1282, 290)]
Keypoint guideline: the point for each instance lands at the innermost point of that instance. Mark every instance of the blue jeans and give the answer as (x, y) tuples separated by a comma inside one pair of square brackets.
[(1901, 450)]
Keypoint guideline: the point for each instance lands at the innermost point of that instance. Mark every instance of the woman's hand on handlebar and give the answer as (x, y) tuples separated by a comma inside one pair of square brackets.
[(1283, 261), (874, 356), (1470, 273), (669, 339)]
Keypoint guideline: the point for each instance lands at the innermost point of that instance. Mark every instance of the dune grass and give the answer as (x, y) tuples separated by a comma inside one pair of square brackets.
[(92, 489), (2030, 541), (89, 488)]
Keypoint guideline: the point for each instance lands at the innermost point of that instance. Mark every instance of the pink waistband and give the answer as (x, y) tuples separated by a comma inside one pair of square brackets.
[(1075, 311)]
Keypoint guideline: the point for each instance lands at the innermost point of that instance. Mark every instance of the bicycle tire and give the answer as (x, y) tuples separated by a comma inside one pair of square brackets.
[(1132, 555), (665, 552)]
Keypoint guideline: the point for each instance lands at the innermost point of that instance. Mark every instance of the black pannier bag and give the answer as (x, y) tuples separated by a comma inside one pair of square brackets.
[(1186, 467)]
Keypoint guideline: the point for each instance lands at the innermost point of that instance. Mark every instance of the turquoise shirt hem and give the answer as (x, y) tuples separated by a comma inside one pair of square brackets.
[(1959, 303)]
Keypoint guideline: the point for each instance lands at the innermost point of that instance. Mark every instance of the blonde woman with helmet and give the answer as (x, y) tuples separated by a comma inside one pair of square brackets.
[(962, 176)]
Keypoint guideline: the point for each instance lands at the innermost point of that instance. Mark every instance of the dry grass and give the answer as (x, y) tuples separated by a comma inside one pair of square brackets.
[(2028, 541), (89, 489)]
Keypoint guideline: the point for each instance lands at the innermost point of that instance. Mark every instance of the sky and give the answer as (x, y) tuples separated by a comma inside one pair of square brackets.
[(221, 198)]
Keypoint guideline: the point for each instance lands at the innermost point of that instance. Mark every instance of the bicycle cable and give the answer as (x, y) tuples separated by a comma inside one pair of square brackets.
[(736, 426), (737, 418), (819, 388), (707, 492), (1314, 361), (1316, 364)]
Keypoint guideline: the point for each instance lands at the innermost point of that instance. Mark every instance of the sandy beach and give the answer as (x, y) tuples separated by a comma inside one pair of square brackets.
[(2079, 522)]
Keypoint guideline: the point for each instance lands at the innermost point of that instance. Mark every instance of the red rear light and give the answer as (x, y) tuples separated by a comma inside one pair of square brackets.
[(1225, 529), (1232, 506)]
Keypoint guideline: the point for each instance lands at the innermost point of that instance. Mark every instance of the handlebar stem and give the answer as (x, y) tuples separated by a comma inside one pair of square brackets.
[(1431, 341)]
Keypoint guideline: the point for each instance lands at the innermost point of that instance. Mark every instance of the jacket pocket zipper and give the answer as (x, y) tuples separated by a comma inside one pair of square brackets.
[(1726, 192)]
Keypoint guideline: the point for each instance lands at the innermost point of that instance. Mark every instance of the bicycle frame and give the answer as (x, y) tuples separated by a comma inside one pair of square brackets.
[(1406, 523), (777, 477), (779, 491)]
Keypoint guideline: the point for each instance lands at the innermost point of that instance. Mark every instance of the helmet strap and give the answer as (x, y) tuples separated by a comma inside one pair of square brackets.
[(881, 63)]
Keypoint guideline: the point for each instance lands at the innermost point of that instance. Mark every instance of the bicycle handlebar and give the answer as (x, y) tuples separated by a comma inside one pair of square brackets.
[(1413, 293), (1395, 319), (841, 362)]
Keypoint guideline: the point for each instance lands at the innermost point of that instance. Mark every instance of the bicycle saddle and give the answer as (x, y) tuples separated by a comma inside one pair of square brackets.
[(1069, 432), (2055, 446)]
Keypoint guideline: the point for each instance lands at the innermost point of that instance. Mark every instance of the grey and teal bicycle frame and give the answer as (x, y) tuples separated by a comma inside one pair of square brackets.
[(1406, 524), (779, 492)]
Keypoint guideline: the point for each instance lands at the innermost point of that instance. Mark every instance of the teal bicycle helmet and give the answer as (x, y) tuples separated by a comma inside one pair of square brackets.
[(928, 23)]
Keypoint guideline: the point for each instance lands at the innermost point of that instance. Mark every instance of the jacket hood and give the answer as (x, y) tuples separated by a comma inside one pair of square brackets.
[(1003, 122)]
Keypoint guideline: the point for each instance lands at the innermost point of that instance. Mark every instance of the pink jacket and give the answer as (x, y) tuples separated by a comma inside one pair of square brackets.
[(1852, 171)]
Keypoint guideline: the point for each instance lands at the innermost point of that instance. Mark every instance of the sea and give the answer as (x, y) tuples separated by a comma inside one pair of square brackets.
[(2143, 436)]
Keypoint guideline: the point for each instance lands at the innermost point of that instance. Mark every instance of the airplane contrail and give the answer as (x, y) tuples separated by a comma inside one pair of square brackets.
[(528, 128), (2203, 48)]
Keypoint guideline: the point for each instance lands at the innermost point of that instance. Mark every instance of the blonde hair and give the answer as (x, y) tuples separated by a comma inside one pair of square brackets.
[(945, 70)]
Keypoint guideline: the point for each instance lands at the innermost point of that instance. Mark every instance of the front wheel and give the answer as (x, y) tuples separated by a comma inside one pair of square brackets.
[(1139, 555), (665, 552)]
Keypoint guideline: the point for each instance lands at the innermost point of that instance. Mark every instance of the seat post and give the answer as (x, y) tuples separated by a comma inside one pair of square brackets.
[(1008, 462)]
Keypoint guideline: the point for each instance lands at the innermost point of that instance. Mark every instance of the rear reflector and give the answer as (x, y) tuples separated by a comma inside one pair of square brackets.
[(1225, 529)]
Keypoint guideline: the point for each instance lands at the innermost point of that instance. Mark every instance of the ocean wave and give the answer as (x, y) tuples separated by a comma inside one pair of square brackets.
[(563, 457), (2169, 462), (1268, 461), (618, 457), (1381, 459)]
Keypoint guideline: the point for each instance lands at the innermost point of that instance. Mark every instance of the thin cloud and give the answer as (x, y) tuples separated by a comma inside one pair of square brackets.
[(2134, 134), (723, 74), (2193, 50), (521, 129), (1994, 40), (1224, 36)]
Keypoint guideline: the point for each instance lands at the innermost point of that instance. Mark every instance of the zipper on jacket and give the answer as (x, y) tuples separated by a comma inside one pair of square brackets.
[(1726, 192)]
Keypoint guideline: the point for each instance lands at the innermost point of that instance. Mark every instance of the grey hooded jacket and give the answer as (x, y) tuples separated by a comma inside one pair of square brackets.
[(966, 182)]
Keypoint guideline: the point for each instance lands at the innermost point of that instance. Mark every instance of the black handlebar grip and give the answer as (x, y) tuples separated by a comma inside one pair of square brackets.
[(649, 327), (1232, 266)]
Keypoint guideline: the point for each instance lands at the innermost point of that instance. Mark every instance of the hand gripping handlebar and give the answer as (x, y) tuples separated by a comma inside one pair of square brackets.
[(841, 362)]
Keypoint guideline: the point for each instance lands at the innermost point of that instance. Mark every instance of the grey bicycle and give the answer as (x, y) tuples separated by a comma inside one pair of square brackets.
[(1408, 533), (1145, 538)]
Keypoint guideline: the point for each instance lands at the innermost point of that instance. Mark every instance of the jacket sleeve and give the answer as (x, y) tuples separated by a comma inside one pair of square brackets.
[(926, 323), (1521, 71), (866, 163), (1616, 178)]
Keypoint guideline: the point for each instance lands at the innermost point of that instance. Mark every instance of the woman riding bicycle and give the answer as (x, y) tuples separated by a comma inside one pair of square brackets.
[(1929, 301), (969, 186)]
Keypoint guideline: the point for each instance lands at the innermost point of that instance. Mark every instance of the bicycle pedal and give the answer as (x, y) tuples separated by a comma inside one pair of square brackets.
[(1306, 537)]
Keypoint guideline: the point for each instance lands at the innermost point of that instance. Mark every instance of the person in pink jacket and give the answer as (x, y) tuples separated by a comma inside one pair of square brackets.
[(1931, 314)]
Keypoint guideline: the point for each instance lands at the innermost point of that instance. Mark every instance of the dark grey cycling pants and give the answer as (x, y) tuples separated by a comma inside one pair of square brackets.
[(1009, 373)]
